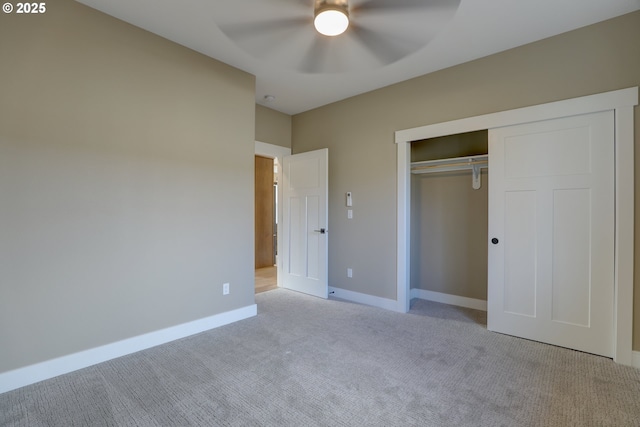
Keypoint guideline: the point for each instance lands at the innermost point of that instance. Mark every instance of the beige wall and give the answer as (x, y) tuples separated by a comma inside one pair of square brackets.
[(449, 234), (359, 133), (126, 162), (273, 127)]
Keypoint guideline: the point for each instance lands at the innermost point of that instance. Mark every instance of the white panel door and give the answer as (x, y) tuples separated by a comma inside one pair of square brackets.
[(551, 231), (305, 195)]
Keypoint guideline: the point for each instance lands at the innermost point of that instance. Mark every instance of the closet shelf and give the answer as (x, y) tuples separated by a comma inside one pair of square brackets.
[(474, 163)]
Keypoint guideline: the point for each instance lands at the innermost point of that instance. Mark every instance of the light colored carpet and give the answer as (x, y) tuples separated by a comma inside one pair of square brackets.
[(304, 361)]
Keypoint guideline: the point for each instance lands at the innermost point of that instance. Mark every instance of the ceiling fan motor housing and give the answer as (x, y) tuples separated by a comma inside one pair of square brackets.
[(331, 17)]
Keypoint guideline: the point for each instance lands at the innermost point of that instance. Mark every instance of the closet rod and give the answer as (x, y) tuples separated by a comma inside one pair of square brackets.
[(475, 163), (444, 165)]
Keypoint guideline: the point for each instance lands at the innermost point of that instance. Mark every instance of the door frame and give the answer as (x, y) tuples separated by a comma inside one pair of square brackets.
[(622, 102), (275, 152)]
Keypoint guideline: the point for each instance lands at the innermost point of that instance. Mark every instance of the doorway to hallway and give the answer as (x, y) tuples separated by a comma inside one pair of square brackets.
[(267, 214)]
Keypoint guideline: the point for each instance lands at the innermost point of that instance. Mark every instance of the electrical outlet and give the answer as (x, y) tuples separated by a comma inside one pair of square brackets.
[(349, 273), (225, 289)]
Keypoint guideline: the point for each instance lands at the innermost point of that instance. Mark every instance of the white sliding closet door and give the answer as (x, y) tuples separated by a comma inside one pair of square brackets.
[(551, 232)]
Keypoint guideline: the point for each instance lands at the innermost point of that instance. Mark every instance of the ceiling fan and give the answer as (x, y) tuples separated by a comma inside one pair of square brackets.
[(368, 34)]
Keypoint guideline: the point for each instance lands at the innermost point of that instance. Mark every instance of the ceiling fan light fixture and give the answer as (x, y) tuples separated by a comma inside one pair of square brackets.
[(331, 19)]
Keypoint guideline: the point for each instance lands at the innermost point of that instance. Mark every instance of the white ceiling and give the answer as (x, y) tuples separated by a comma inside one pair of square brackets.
[(450, 37)]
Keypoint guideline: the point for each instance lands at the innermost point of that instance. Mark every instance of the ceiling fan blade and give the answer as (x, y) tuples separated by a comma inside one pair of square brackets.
[(388, 5), (315, 59), (386, 48), (305, 3), (247, 30)]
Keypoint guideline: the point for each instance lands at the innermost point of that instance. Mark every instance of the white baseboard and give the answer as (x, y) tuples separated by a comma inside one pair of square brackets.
[(635, 359), (476, 304), (389, 304), (21, 377), (360, 298)]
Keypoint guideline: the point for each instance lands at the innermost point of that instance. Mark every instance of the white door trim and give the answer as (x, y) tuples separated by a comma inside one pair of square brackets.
[(622, 102), (275, 152)]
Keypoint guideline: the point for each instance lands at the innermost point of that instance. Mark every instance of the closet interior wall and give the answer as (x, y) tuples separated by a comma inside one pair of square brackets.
[(449, 220)]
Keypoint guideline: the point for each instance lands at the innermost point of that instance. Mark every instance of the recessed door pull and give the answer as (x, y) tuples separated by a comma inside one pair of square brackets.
[(494, 241)]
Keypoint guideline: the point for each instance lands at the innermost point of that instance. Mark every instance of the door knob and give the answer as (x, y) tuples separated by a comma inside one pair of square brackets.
[(321, 231), (494, 241)]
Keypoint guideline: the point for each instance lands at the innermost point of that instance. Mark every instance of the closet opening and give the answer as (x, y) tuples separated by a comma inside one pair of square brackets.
[(449, 219)]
